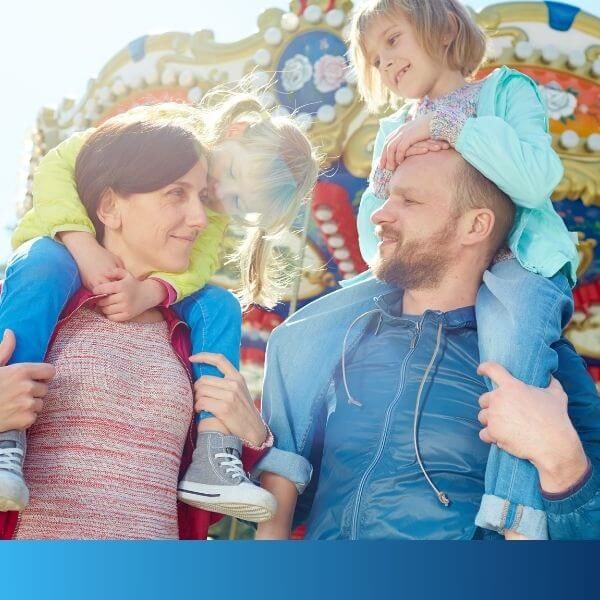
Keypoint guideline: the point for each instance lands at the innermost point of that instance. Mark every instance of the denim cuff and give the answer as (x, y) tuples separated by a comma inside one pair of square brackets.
[(527, 521), (289, 465), (577, 500)]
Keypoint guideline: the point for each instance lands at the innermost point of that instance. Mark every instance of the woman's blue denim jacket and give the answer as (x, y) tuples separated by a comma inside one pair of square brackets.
[(303, 355)]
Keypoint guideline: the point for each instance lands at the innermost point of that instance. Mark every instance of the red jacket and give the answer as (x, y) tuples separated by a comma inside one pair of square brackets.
[(193, 522)]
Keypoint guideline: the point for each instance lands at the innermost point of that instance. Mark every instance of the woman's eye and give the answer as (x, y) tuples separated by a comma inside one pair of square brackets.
[(376, 63), (177, 193)]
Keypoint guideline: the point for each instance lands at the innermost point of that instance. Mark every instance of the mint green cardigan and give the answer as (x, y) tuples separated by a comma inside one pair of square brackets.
[(508, 142)]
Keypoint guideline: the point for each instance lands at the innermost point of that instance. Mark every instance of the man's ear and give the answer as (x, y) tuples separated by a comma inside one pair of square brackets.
[(477, 226), (109, 210)]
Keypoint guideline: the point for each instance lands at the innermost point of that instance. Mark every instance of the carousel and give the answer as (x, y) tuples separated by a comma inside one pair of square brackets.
[(301, 53)]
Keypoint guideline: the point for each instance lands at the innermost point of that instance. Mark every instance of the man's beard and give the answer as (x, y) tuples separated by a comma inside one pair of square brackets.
[(419, 264)]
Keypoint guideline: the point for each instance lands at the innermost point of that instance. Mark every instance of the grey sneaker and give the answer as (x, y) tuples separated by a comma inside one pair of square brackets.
[(216, 481), (14, 494)]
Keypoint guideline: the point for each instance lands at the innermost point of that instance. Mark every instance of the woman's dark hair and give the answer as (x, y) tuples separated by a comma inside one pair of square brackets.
[(133, 156)]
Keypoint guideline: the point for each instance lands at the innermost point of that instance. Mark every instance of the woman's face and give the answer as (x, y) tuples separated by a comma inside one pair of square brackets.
[(231, 181), (158, 229)]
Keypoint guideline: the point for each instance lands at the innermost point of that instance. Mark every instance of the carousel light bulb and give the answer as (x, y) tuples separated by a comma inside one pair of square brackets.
[(273, 36), (290, 21), (523, 50), (569, 139), (313, 13), (335, 18)]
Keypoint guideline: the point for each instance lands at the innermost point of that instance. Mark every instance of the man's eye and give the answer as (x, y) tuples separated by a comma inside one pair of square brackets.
[(177, 192)]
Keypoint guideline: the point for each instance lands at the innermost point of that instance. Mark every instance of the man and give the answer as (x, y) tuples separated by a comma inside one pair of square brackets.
[(385, 404), (22, 387)]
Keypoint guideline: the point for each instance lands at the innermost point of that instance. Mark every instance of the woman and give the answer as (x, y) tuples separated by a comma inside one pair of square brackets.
[(117, 427)]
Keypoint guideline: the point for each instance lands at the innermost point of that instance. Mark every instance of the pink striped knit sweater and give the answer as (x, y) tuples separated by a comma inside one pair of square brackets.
[(103, 457)]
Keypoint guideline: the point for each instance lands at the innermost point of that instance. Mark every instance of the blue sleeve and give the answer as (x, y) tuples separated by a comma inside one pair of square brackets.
[(287, 410), (514, 149), (578, 516)]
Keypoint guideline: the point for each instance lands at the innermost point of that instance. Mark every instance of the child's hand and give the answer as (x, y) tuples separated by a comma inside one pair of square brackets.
[(93, 260), (128, 297), (427, 146), (398, 142)]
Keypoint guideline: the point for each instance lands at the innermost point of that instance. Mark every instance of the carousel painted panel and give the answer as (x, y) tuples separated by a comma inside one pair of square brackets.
[(297, 61)]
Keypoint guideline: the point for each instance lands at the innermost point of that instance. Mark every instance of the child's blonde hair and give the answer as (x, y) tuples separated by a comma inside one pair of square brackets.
[(285, 167), (432, 21)]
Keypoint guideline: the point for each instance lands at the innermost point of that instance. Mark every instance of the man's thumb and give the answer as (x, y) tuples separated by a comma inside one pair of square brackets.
[(7, 346)]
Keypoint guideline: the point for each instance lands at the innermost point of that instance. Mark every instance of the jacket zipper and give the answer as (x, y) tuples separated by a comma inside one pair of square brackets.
[(384, 433)]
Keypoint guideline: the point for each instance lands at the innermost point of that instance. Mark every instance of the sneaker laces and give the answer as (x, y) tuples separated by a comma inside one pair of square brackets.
[(11, 460), (233, 465)]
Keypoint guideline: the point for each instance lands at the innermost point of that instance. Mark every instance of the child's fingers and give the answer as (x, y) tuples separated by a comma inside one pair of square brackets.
[(110, 300), (111, 287), (114, 309), (117, 274), (118, 317), (416, 149)]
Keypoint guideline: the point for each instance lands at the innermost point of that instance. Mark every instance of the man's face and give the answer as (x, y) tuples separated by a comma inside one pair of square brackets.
[(417, 225)]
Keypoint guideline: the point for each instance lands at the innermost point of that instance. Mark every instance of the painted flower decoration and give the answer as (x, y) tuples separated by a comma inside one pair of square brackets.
[(296, 72), (330, 73), (560, 103)]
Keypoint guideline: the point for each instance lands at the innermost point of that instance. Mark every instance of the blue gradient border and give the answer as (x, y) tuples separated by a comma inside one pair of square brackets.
[(290, 570)]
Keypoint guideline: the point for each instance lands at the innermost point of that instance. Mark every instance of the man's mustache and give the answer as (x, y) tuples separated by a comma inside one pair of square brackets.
[(382, 231)]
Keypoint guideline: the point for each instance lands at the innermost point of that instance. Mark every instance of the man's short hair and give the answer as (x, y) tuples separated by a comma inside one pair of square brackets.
[(474, 190)]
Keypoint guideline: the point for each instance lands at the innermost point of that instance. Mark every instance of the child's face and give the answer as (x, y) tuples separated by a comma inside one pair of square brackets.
[(405, 67), (230, 181)]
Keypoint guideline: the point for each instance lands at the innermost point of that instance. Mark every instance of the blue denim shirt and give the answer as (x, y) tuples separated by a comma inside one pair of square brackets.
[(303, 357)]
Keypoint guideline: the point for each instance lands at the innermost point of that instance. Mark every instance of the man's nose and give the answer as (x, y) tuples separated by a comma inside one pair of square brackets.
[(382, 215)]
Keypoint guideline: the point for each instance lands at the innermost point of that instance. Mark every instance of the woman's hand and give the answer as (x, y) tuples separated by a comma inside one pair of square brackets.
[(93, 261), (22, 387), (228, 399), (533, 424), (399, 141), (126, 296)]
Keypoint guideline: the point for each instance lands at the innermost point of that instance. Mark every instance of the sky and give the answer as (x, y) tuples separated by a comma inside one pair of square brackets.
[(50, 49)]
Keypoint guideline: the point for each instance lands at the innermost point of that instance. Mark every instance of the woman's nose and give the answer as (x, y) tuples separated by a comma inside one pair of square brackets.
[(196, 216)]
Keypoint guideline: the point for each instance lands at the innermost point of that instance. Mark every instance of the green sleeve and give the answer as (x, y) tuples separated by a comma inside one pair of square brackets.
[(520, 161), (56, 205)]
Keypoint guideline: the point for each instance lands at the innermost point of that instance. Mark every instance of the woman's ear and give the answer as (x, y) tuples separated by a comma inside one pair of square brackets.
[(236, 129), (109, 210)]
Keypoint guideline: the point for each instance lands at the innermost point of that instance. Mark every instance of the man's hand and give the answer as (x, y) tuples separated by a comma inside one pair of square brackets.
[(22, 387), (533, 424), (126, 296), (228, 399), (93, 261), (399, 141)]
